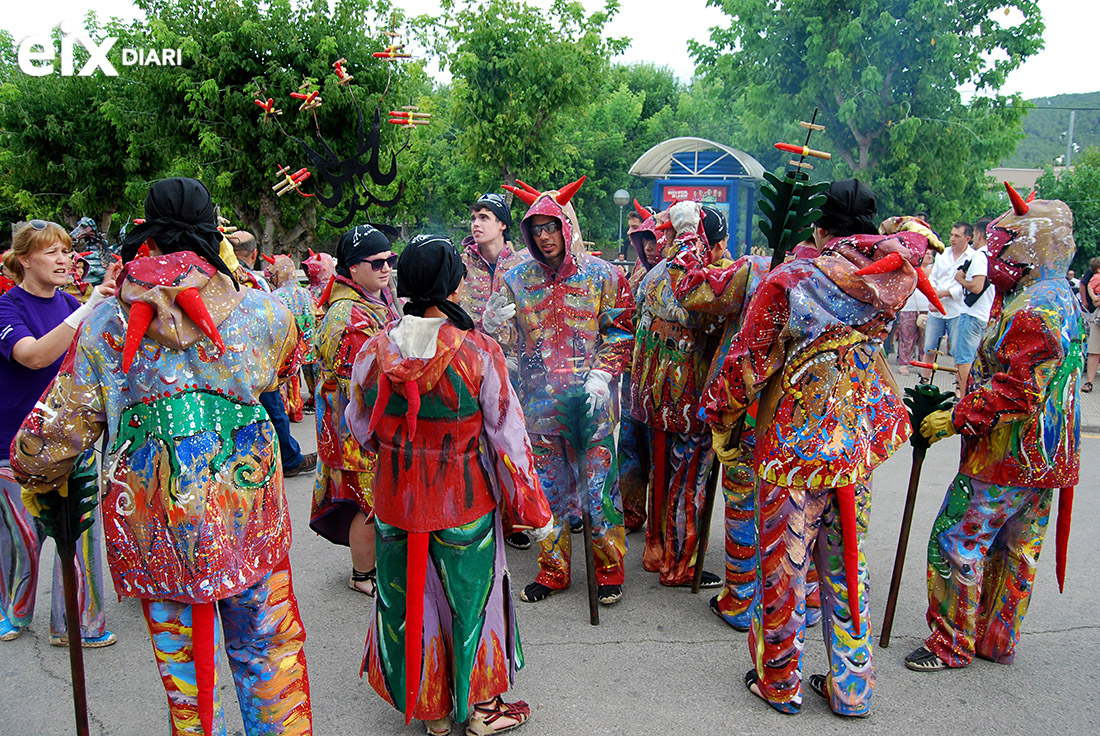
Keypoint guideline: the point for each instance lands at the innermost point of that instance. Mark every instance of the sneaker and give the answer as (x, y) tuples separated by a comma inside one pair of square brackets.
[(308, 464), (105, 639), (519, 540), (7, 630), (609, 594)]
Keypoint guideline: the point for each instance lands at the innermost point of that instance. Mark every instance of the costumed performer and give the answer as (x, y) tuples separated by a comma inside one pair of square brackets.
[(281, 276), (829, 417), (195, 515), (432, 394), (1020, 425), (358, 304), (567, 315)]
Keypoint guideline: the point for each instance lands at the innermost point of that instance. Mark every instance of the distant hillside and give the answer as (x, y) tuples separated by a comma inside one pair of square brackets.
[(1048, 120)]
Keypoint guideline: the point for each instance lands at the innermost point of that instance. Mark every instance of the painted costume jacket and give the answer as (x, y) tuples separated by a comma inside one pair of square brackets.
[(194, 509), (351, 318), (448, 429), (281, 276), (673, 348), (569, 320), (818, 327), (481, 280)]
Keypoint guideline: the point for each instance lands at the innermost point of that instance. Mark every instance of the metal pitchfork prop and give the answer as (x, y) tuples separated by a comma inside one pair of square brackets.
[(65, 518), (790, 206), (922, 400), (578, 427)]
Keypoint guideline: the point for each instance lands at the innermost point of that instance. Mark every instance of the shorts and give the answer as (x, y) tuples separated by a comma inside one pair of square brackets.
[(1094, 335), (966, 338), (936, 328)]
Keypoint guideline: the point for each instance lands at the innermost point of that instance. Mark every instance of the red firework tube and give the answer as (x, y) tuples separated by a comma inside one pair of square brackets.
[(930, 366), (803, 151), (1061, 538), (846, 500)]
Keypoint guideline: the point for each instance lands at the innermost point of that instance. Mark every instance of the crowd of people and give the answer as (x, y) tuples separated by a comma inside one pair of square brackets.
[(440, 375)]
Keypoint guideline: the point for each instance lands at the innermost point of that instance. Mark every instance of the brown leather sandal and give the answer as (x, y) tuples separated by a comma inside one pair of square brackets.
[(488, 718)]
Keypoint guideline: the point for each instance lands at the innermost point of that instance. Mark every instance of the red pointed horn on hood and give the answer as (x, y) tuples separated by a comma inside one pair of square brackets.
[(667, 225), (524, 196), (641, 210), (929, 291), (1018, 203), (528, 188), (311, 253), (886, 264), (142, 251), (141, 316), (566, 193), (1030, 197), (191, 303), (269, 259), (327, 292)]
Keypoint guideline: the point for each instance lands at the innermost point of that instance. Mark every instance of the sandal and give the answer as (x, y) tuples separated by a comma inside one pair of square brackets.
[(364, 582), (706, 580), (923, 659), (519, 540), (536, 592), (487, 717), (609, 594), (439, 727), (1087, 388)]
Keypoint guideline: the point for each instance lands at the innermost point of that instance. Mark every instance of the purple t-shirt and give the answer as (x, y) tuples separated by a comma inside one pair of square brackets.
[(25, 315)]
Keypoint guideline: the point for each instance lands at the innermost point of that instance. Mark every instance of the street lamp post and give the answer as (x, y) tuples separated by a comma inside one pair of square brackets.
[(622, 198)]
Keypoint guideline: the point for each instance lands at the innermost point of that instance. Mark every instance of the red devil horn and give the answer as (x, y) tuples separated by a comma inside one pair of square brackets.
[(566, 193), (524, 195), (665, 225), (191, 303), (528, 188), (311, 253), (846, 500), (327, 292), (886, 264), (926, 288), (1018, 203), (641, 210), (142, 251), (269, 259), (1030, 196), (141, 316)]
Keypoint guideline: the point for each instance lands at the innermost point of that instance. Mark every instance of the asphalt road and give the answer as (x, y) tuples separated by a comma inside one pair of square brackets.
[(659, 663)]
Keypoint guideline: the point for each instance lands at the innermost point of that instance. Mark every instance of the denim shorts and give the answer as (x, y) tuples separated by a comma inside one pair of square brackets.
[(936, 328), (966, 338)]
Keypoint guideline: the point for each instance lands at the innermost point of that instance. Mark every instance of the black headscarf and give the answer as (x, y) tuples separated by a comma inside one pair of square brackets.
[(428, 271), (849, 209), (179, 215), (357, 245), (715, 226)]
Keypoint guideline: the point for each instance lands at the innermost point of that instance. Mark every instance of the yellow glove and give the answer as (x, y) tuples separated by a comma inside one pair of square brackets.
[(34, 501), (937, 425), (726, 455)]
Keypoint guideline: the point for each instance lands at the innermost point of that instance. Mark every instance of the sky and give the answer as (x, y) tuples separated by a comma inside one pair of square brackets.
[(660, 36)]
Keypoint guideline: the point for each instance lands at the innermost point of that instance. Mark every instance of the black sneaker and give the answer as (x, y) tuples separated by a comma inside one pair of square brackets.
[(519, 540), (308, 464), (576, 527)]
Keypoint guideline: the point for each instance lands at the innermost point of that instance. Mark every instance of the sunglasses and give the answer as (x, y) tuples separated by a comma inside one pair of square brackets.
[(376, 265), (547, 227), (40, 224)]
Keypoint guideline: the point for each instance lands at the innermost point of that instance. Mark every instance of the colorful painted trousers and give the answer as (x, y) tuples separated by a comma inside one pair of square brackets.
[(982, 557), (21, 539), (555, 462), (634, 464), (470, 645), (794, 524), (678, 477), (263, 640), (735, 601)]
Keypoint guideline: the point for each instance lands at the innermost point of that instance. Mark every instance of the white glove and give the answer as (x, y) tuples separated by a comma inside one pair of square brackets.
[(513, 363), (598, 388), (685, 216), (542, 533), (498, 310), (74, 319)]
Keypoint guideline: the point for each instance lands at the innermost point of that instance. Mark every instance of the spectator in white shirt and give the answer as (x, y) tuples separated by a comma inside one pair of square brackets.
[(950, 293), (978, 303)]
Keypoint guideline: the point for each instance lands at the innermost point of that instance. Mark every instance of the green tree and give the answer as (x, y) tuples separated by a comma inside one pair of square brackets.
[(520, 73), (1079, 187), (885, 75)]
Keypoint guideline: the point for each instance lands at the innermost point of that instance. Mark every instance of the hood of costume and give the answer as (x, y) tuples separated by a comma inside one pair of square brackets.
[(570, 320), (319, 268), (172, 368), (651, 225), (1020, 420), (282, 277), (279, 271), (88, 240)]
